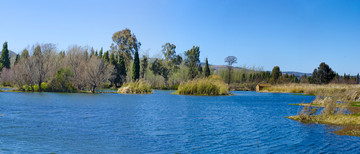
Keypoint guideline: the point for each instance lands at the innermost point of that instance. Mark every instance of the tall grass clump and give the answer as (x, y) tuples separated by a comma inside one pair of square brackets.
[(136, 87), (211, 86)]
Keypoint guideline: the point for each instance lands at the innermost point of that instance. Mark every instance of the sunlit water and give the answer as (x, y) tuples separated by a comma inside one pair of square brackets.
[(247, 122)]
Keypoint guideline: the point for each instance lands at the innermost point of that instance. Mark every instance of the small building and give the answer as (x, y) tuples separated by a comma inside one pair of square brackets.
[(260, 87)]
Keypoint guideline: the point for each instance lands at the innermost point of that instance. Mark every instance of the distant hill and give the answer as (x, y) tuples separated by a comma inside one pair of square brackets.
[(297, 74), (12, 53)]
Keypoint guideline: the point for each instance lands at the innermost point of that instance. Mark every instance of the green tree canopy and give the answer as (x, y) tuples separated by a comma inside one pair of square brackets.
[(125, 43), (159, 68), (324, 74), (276, 73)]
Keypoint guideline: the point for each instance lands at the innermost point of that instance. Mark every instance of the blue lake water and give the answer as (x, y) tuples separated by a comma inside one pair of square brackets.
[(247, 122)]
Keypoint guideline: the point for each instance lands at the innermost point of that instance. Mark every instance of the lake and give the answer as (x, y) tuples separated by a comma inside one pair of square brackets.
[(247, 122)]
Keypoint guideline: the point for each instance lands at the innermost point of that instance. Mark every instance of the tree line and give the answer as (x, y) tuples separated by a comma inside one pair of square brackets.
[(44, 68), (250, 77)]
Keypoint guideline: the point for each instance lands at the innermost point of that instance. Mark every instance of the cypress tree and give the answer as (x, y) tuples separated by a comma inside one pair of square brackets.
[(207, 69), (136, 67), (106, 56), (5, 58), (121, 69), (92, 52), (37, 51), (17, 58), (144, 65), (243, 78), (101, 53)]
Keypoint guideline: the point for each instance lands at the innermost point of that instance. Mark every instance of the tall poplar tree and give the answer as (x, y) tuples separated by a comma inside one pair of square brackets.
[(192, 60), (5, 58), (207, 69), (136, 67)]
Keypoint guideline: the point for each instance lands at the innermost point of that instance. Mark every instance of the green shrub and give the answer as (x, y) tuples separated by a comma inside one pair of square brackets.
[(6, 84), (36, 88), (137, 87), (210, 86), (26, 88)]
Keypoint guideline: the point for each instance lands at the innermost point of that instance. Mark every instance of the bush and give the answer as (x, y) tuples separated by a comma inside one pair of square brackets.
[(211, 86), (137, 87)]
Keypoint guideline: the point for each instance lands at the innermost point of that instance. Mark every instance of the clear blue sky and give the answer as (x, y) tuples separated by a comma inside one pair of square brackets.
[(294, 34)]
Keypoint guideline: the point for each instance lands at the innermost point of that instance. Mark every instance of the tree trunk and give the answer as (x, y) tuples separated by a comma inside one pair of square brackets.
[(93, 89), (229, 78), (40, 86)]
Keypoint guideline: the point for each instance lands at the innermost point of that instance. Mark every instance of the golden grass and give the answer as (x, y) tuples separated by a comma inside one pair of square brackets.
[(211, 86), (137, 87), (343, 92)]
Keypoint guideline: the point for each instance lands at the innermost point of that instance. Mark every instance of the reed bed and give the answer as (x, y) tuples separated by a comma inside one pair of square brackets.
[(211, 86), (136, 87)]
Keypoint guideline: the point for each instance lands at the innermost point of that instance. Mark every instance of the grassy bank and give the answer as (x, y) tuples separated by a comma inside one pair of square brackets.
[(340, 119), (311, 89), (330, 92), (335, 104), (137, 87), (211, 86)]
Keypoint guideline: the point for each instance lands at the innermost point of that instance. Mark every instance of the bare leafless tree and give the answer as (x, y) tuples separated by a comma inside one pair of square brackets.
[(75, 59), (28, 73), (96, 72), (5, 75), (42, 56)]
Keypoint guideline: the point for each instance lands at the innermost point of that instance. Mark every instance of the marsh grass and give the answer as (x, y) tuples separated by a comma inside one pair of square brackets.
[(334, 105), (340, 92), (211, 86), (136, 87), (314, 89)]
